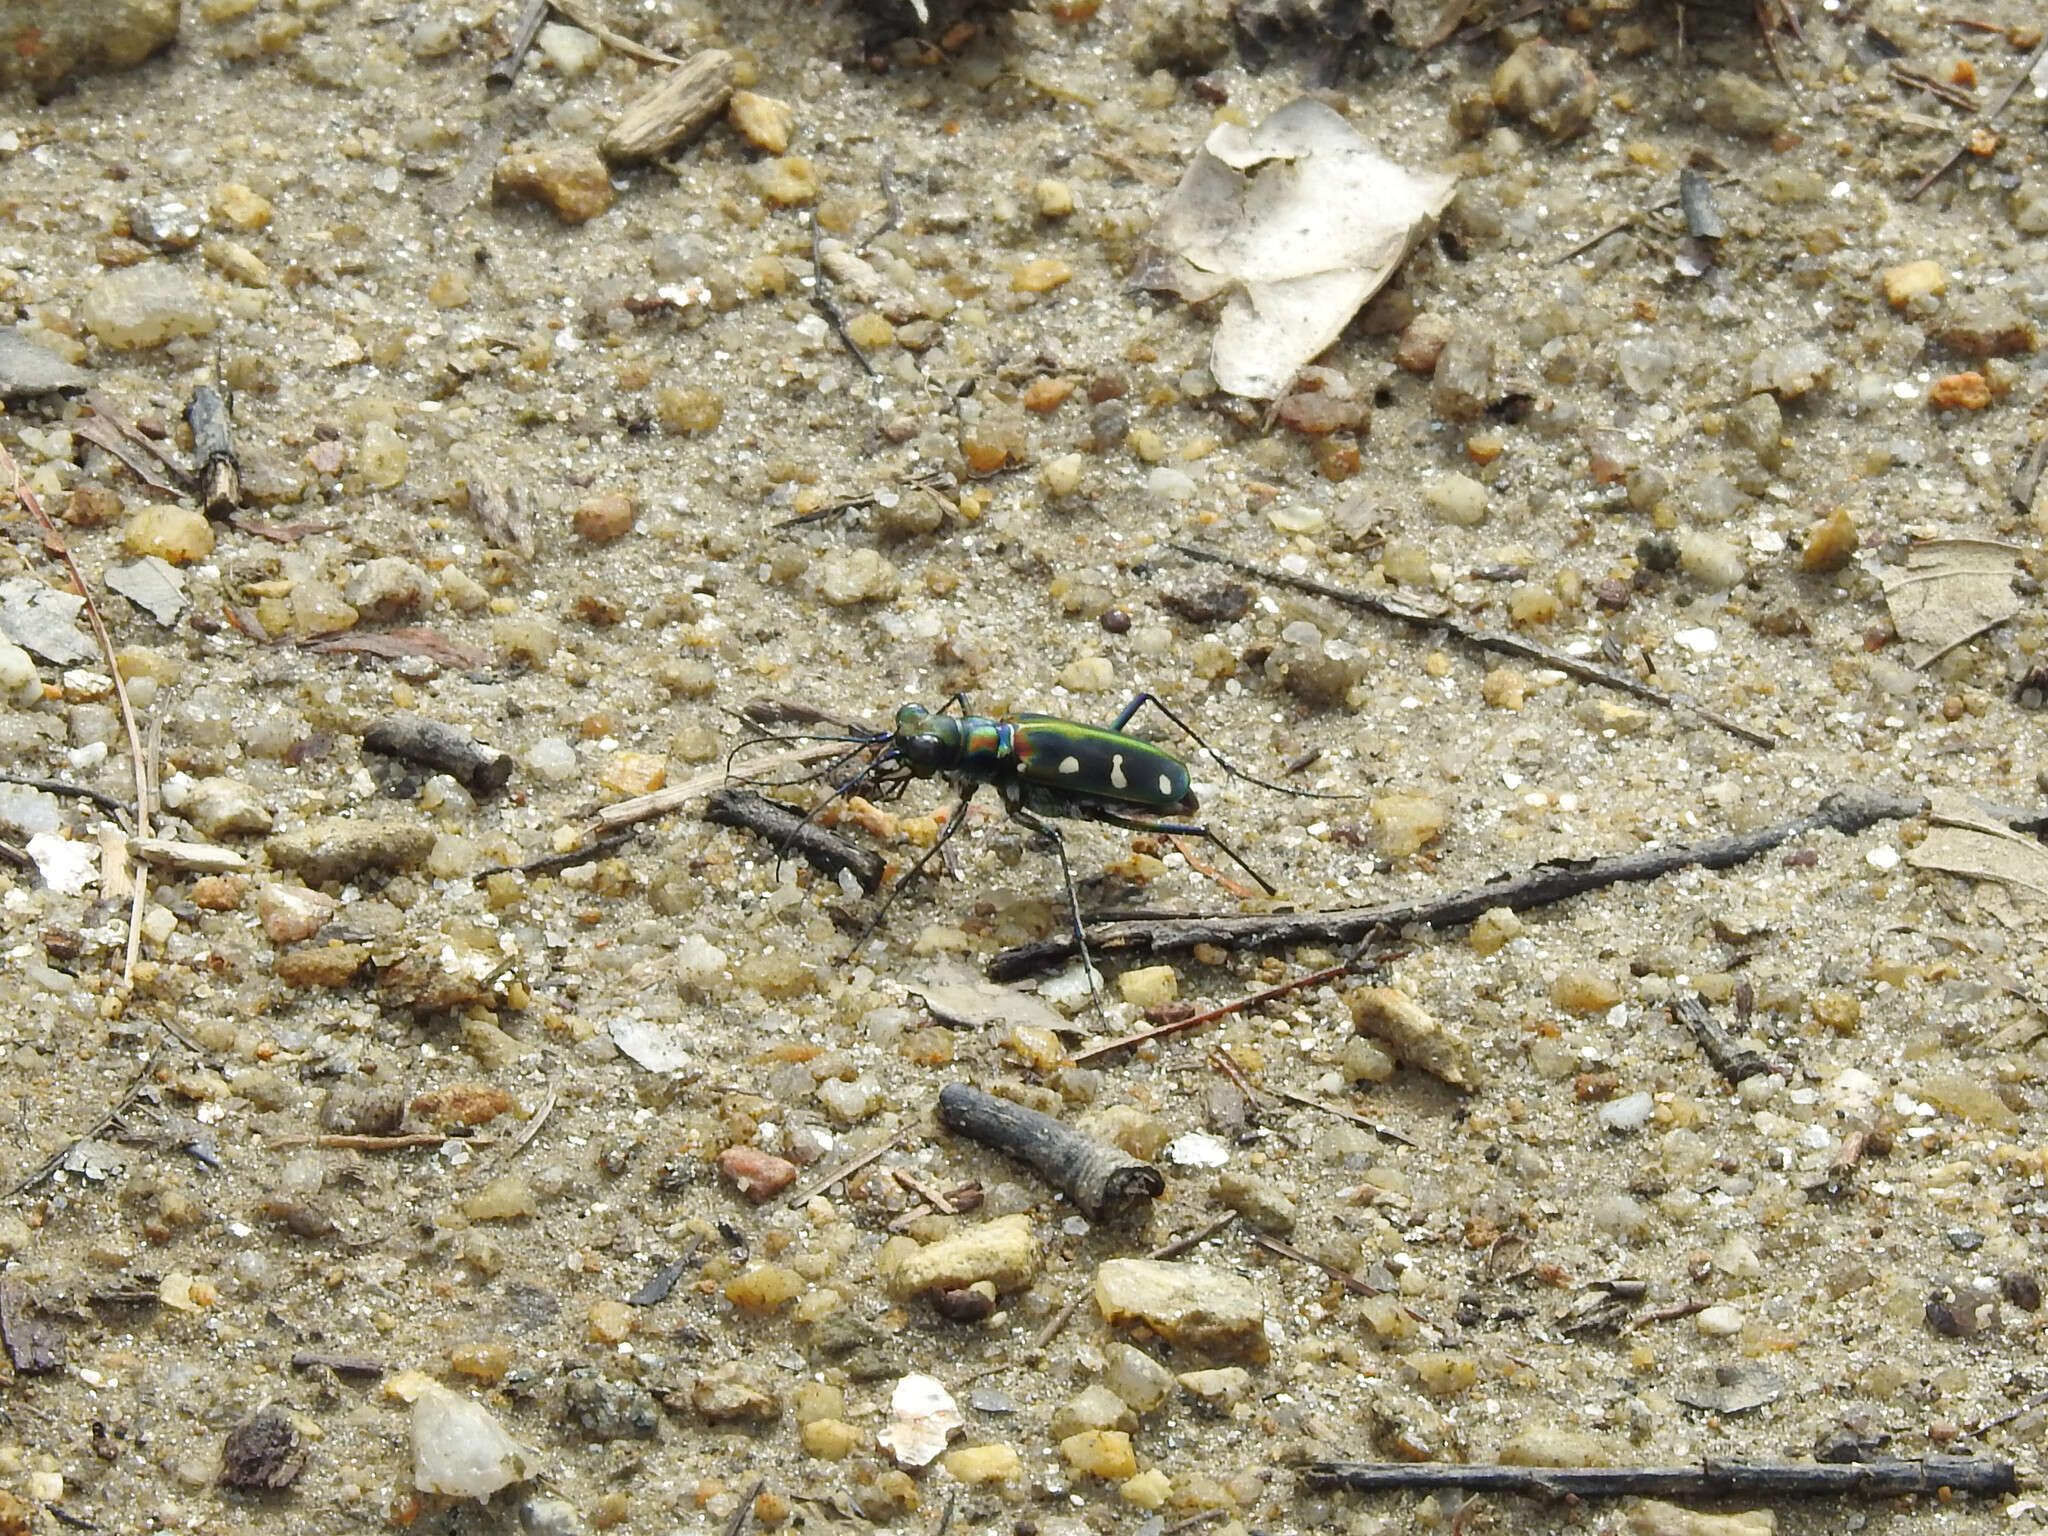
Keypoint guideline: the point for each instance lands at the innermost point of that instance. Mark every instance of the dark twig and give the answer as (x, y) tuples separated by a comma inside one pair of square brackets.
[(119, 1108), (448, 749), (1849, 812), (1345, 1278), (767, 711), (1709, 1480), (100, 798), (501, 74), (213, 446), (1102, 1180), (1983, 119), (555, 863), (2029, 477), (788, 832), (821, 301), (1939, 89), (1418, 617), (738, 1522), (847, 1169), (1719, 1047), (1208, 1015)]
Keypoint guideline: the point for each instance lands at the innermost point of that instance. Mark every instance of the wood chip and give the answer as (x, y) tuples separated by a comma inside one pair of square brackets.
[(678, 106)]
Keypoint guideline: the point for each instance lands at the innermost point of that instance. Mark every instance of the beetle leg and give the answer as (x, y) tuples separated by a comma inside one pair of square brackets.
[(1051, 834), (953, 824), (1184, 829)]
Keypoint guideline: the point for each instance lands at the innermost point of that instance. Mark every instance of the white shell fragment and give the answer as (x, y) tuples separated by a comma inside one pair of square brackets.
[(925, 1418), (1305, 221)]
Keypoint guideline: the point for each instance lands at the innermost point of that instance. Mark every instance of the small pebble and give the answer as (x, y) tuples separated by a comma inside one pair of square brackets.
[(1055, 199), (1041, 275), (1548, 87), (570, 50), (144, 306), (1737, 104), (1719, 1322), (1103, 1453), (175, 534), (1458, 500), (762, 121), (459, 1449), (760, 1176), (1627, 1114), (978, 1465), (789, 181), (570, 179), (1913, 280)]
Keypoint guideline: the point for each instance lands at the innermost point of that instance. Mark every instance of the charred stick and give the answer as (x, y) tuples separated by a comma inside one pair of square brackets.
[(1419, 617), (1710, 1479), (1719, 1047), (442, 747), (220, 468), (787, 832), (1849, 812), (1103, 1181), (555, 863), (501, 74)]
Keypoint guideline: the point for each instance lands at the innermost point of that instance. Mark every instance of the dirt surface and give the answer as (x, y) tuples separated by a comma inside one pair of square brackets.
[(547, 471)]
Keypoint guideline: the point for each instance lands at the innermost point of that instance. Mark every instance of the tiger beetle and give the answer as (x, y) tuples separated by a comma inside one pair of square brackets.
[(1046, 768)]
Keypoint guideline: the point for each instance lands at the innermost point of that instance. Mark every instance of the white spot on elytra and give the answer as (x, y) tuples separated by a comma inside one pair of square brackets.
[(1070, 765), (1165, 785), (1116, 772)]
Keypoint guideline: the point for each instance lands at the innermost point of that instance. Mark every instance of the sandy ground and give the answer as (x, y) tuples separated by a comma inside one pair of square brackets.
[(660, 395)]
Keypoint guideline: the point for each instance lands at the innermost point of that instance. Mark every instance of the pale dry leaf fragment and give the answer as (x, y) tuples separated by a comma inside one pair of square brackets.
[(1301, 221), (1965, 841), (1949, 592), (152, 584), (923, 1418), (42, 619), (654, 1045)]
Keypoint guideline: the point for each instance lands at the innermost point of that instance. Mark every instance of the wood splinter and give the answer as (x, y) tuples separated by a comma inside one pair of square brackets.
[(442, 747), (1103, 1181)]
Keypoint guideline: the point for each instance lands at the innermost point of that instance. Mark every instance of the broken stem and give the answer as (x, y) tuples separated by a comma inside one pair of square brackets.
[(1847, 812), (1102, 1180), (1710, 1479)]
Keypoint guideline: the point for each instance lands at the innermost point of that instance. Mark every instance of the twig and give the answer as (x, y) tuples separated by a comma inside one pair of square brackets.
[(220, 468), (1848, 812), (341, 1141), (1104, 1181), (895, 214), (54, 543), (480, 769), (104, 431), (555, 863), (1345, 1278), (848, 1169), (532, 1128), (1195, 1239), (946, 1516), (1418, 617), (104, 801), (604, 34), (1727, 1058), (1983, 120), (1666, 1314), (768, 710), (1384, 1132), (1710, 1479), (500, 75), (821, 301), (2029, 477), (1207, 1016), (120, 1107), (661, 801), (738, 1522), (787, 833), (1939, 89)]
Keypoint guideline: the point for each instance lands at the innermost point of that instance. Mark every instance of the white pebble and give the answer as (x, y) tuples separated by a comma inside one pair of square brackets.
[(1458, 500), (551, 759), (1170, 484), (1722, 1322), (1630, 1112)]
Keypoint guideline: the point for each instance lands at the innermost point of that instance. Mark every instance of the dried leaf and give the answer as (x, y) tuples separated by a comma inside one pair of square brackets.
[(34, 1345), (152, 584), (263, 1451), (1950, 591), (391, 644), (977, 1004), (1728, 1389), (1964, 841), (42, 619), (1301, 221)]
